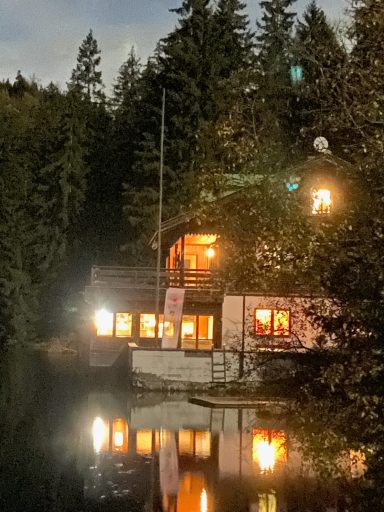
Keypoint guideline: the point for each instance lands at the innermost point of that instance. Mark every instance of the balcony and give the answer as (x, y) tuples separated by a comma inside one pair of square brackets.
[(145, 278)]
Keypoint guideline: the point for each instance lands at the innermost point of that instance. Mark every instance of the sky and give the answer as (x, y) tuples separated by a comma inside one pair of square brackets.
[(41, 37)]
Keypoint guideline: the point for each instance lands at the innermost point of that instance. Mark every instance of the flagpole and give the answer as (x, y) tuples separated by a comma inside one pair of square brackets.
[(159, 218)]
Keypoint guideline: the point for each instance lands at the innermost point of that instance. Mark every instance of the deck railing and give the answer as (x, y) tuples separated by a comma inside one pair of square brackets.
[(145, 278)]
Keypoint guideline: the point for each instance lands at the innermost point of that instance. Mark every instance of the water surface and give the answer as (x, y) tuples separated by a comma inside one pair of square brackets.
[(71, 442)]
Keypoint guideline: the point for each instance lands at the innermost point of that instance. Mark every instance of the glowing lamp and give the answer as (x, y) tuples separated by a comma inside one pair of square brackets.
[(104, 323), (211, 252), (100, 435)]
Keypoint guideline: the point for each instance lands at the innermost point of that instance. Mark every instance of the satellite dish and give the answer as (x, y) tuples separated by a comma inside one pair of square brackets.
[(321, 145)]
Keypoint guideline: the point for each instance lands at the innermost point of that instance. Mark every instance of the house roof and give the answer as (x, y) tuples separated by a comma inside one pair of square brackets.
[(238, 182)]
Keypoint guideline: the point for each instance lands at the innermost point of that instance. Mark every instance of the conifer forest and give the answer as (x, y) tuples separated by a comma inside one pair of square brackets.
[(79, 168), (79, 186)]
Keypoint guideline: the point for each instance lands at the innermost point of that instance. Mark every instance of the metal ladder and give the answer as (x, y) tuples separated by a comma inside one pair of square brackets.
[(219, 366)]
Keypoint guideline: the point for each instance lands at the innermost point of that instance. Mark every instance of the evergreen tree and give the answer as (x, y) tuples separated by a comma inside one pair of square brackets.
[(273, 92), (322, 60), (195, 67), (234, 39), (86, 78), (125, 87), (275, 36)]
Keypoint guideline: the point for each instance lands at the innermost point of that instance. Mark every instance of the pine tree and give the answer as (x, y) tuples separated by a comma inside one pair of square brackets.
[(234, 39), (86, 78), (125, 87), (322, 59), (275, 36), (273, 92)]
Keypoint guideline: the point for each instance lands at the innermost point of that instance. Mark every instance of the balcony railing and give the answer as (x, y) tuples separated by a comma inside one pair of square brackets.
[(145, 278)]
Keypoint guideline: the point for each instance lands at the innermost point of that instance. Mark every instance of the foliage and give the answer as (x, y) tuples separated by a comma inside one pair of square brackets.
[(86, 78)]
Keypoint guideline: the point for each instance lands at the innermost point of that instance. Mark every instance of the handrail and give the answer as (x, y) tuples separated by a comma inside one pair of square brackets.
[(145, 277)]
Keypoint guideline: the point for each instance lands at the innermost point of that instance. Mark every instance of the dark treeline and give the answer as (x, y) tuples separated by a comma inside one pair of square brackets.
[(79, 170)]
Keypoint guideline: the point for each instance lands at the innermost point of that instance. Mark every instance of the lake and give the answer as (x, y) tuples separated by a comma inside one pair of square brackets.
[(77, 442)]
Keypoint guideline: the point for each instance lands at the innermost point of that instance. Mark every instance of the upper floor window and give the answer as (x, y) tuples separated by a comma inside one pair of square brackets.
[(321, 201), (272, 322)]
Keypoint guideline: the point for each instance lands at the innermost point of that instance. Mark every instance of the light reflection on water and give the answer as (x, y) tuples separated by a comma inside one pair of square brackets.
[(74, 448)]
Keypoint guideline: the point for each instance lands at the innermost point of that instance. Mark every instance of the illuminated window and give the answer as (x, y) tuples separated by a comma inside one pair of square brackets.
[(119, 435), (272, 322), (195, 442), (321, 201), (148, 325), (269, 449), (189, 327), (104, 323), (144, 442), (123, 324), (197, 331)]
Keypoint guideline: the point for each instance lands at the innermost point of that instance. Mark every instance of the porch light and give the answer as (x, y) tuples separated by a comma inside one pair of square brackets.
[(104, 323), (211, 252), (321, 201), (100, 435)]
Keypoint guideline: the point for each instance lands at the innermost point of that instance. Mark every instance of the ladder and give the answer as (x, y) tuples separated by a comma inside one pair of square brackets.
[(219, 366)]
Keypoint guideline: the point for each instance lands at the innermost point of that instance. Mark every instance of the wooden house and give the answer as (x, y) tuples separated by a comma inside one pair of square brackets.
[(122, 299)]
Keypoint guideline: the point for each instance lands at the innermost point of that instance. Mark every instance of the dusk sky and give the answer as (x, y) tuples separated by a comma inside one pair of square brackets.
[(41, 37)]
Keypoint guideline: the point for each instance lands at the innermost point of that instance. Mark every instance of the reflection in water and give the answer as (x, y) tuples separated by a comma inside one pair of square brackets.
[(100, 434), (75, 450), (119, 435), (267, 502), (269, 447)]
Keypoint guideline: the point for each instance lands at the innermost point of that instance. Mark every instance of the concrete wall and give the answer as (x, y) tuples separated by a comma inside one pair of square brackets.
[(232, 323), (180, 365), (154, 368)]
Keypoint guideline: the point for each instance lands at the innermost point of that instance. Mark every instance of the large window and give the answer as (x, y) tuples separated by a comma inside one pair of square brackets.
[(110, 324), (148, 325), (321, 201), (272, 322), (197, 331)]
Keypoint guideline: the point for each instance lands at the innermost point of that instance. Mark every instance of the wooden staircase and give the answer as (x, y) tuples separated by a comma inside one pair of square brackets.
[(219, 366)]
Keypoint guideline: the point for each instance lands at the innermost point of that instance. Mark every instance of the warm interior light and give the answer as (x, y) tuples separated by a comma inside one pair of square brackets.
[(211, 252), (263, 321), (203, 501), (120, 435), (148, 325), (104, 323), (100, 434), (321, 201), (188, 327), (269, 447), (123, 324), (144, 442)]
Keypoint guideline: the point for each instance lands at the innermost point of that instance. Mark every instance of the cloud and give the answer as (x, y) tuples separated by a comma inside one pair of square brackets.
[(41, 37)]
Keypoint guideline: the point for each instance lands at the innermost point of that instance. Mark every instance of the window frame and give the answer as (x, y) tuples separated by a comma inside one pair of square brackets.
[(197, 339), (318, 212), (114, 335), (272, 335)]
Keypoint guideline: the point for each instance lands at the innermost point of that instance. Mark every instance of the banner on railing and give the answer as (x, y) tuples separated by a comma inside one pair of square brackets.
[(173, 311)]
